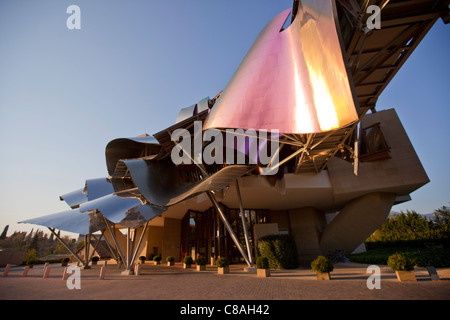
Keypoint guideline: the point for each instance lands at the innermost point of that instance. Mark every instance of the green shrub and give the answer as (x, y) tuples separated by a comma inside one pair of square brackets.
[(322, 264), (95, 259), (31, 255), (262, 263), (170, 259), (400, 262), (437, 257), (201, 261), (188, 260), (157, 258), (222, 262), (280, 250), (142, 258)]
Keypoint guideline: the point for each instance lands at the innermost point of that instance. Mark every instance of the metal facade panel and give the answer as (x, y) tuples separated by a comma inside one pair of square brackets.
[(293, 80)]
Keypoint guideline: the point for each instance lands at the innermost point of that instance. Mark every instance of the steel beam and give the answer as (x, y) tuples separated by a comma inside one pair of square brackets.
[(66, 246), (228, 226), (244, 226), (115, 241)]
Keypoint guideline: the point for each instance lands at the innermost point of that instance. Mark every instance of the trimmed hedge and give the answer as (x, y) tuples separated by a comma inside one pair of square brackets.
[(222, 262), (399, 262), (280, 250), (419, 243), (262, 263), (322, 264), (437, 257)]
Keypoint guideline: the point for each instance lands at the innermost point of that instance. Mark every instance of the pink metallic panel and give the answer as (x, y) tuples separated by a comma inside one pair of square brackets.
[(293, 80)]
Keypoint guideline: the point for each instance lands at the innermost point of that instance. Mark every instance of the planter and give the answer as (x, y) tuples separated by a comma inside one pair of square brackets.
[(263, 273), (323, 275), (404, 276), (186, 266), (201, 268), (170, 263), (223, 270)]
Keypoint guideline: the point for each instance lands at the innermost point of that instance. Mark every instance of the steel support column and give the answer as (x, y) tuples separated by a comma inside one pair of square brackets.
[(228, 226), (244, 226), (66, 246), (139, 243), (115, 241)]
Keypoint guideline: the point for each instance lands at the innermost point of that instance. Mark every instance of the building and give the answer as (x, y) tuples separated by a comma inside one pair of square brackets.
[(292, 145)]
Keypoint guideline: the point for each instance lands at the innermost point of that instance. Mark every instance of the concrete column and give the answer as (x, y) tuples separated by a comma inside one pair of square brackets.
[(306, 226), (356, 222)]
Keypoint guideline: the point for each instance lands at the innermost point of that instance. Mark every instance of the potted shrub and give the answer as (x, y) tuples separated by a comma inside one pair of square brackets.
[(222, 265), (157, 259), (201, 264), (142, 259), (187, 261), (95, 260), (262, 267), (403, 267), (64, 262), (170, 261), (322, 266)]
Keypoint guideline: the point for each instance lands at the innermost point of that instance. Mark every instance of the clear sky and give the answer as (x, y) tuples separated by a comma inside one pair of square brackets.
[(64, 94)]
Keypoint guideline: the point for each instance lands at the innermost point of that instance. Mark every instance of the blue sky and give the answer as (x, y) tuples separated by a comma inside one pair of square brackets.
[(64, 94)]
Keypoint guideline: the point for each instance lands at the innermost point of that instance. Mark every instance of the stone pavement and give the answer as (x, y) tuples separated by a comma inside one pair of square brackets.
[(349, 282)]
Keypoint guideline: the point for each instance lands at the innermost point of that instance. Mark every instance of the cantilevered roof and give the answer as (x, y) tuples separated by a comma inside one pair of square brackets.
[(376, 55)]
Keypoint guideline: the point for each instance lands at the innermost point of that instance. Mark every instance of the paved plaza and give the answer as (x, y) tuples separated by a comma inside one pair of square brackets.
[(160, 282)]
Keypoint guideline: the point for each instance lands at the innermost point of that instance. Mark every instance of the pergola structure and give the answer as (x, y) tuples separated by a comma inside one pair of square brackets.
[(314, 80)]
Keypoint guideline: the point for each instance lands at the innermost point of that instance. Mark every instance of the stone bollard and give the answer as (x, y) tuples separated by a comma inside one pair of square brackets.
[(5, 273), (102, 273), (25, 271), (137, 269), (46, 272), (105, 263), (46, 266)]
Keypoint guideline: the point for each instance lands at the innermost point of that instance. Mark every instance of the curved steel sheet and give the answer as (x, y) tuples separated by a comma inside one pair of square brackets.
[(128, 212), (161, 182), (293, 80), (74, 198), (71, 221), (128, 148), (97, 188), (193, 110), (186, 113)]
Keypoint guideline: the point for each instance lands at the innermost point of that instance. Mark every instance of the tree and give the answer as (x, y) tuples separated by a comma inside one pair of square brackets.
[(5, 231)]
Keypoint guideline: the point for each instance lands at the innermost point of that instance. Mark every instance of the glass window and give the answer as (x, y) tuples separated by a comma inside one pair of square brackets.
[(373, 144)]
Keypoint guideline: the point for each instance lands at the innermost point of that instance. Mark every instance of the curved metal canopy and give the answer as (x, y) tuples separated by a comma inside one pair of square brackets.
[(293, 80), (70, 221), (74, 198), (171, 187), (129, 148)]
